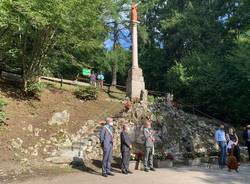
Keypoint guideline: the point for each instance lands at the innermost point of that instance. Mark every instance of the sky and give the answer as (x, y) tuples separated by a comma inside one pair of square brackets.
[(125, 42)]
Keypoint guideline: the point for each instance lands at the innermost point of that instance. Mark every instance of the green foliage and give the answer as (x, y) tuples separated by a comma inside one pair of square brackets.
[(34, 89), (151, 98), (176, 78), (216, 85), (241, 57), (163, 156), (105, 63), (160, 156), (87, 93), (193, 155), (35, 33), (199, 50), (2, 113)]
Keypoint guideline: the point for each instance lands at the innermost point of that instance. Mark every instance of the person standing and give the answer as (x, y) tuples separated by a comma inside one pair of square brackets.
[(100, 78), (246, 137), (149, 147), (93, 79), (220, 138), (126, 147), (233, 143), (106, 139)]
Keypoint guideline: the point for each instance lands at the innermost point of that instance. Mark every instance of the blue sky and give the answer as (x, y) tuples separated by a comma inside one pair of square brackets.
[(125, 42)]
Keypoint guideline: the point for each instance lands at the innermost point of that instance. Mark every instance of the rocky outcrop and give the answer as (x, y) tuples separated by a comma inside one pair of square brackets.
[(177, 132), (180, 132)]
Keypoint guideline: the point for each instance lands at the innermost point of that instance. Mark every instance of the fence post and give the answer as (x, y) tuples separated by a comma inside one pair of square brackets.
[(61, 82)]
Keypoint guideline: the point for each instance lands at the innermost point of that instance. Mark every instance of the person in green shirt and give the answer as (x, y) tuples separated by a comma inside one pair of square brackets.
[(100, 78)]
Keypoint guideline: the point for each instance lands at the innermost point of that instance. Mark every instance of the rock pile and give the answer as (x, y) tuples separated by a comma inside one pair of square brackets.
[(177, 133), (85, 142), (180, 132)]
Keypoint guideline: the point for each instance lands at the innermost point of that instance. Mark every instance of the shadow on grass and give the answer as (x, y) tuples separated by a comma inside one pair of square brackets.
[(14, 91)]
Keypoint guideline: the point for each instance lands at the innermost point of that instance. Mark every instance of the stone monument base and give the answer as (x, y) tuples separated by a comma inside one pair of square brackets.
[(136, 84)]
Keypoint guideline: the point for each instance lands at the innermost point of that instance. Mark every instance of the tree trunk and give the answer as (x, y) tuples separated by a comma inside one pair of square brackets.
[(114, 64), (114, 74)]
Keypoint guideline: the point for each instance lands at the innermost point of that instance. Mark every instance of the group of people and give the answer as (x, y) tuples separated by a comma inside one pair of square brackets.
[(106, 139), (229, 144), (97, 79)]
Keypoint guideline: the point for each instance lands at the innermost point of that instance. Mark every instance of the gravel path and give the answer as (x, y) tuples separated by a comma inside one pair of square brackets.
[(183, 175)]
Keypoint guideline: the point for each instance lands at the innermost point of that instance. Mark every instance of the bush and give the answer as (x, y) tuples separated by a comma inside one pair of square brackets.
[(87, 93), (2, 113), (34, 89), (193, 155), (160, 156), (151, 98)]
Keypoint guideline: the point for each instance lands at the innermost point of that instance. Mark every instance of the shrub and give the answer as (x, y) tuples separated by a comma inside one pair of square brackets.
[(151, 98), (2, 113), (160, 156), (87, 93), (34, 89), (193, 155)]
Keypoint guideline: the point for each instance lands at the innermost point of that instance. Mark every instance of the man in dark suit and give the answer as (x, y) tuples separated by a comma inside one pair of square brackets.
[(106, 139), (126, 147), (246, 136)]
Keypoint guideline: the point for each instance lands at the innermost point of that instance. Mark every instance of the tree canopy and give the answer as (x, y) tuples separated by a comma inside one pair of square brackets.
[(198, 51)]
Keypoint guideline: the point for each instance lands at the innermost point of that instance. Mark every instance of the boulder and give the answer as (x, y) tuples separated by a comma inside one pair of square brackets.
[(59, 118), (60, 160), (30, 128), (16, 144)]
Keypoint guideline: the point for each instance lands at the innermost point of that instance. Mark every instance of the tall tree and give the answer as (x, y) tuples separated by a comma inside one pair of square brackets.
[(118, 23), (34, 29)]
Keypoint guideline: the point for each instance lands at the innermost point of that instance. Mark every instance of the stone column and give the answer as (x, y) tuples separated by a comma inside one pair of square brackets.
[(134, 45), (135, 81)]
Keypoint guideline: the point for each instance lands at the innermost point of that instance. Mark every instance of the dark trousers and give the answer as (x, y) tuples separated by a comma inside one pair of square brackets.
[(236, 152), (148, 158), (125, 161), (248, 148), (223, 153), (106, 161)]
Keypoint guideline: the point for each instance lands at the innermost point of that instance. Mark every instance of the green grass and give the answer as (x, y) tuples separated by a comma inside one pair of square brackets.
[(114, 93)]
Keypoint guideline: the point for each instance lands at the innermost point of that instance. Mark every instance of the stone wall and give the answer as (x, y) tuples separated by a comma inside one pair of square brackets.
[(177, 133)]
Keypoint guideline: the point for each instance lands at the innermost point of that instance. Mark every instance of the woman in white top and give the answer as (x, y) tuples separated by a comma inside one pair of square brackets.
[(233, 143)]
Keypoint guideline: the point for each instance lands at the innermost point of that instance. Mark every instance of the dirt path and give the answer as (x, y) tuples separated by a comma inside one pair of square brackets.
[(184, 175)]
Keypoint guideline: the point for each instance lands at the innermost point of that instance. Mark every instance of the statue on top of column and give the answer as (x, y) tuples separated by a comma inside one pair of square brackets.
[(134, 11)]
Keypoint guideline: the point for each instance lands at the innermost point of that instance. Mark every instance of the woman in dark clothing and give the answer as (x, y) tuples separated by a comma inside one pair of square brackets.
[(233, 138), (246, 137)]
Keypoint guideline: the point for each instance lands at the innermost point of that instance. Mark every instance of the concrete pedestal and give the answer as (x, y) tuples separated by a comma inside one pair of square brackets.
[(135, 83)]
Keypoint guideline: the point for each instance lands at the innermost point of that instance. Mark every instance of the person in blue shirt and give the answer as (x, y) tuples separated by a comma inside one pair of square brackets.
[(220, 138)]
